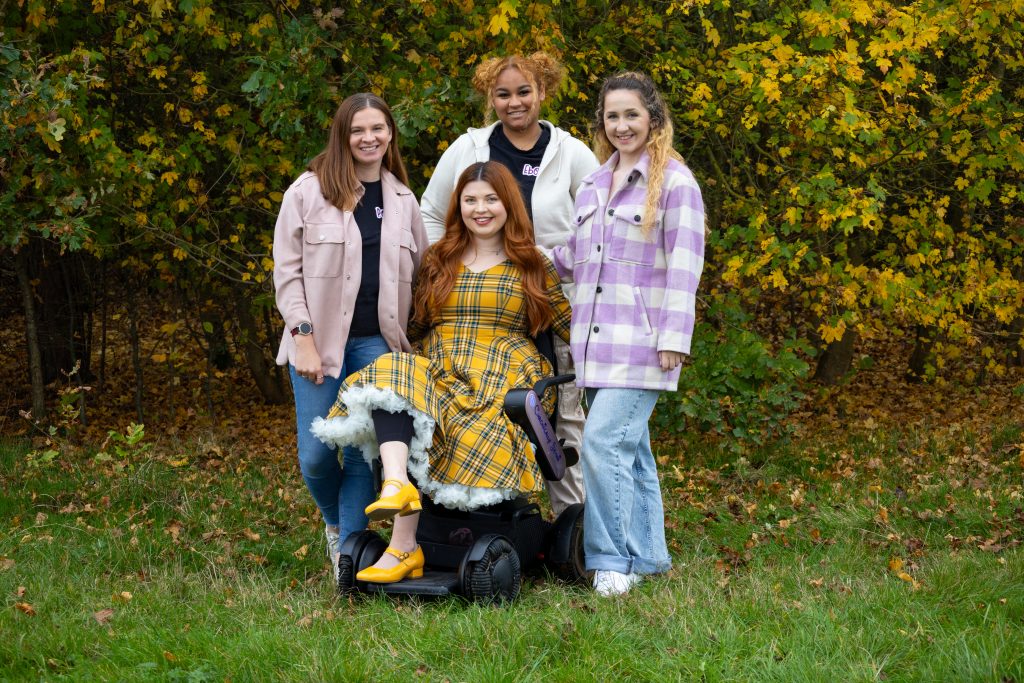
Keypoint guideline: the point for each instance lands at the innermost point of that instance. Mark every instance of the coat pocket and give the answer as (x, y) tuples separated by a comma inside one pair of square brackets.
[(583, 224), (628, 242), (323, 249), (642, 319), (406, 256)]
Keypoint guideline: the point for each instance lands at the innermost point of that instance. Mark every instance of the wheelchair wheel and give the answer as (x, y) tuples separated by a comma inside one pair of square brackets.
[(565, 556), (491, 572), (346, 575), (357, 552)]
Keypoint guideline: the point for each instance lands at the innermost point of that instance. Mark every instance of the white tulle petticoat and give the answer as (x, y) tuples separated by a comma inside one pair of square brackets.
[(356, 429)]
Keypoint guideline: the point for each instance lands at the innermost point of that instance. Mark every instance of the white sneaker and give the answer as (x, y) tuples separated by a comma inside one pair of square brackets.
[(608, 583), (332, 549)]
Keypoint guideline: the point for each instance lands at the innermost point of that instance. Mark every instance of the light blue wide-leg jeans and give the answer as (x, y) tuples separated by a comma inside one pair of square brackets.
[(341, 493), (624, 518)]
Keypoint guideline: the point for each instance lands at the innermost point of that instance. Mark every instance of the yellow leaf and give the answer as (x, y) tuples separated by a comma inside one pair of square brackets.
[(778, 279), (831, 334), (498, 24), (862, 13), (903, 576)]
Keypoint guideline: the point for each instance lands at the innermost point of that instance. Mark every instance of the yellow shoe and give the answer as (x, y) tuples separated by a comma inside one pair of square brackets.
[(410, 564), (405, 502)]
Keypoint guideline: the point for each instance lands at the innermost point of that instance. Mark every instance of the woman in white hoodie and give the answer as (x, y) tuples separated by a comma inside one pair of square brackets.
[(548, 164)]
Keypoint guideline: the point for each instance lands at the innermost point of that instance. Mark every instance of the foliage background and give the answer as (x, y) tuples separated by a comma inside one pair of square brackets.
[(861, 166)]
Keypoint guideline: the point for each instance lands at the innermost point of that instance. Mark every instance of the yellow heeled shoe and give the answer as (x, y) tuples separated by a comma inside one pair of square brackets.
[(405, 502), (409, 565)]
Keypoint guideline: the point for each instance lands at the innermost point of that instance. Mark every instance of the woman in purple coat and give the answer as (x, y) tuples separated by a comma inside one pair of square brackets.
[(636, 258)]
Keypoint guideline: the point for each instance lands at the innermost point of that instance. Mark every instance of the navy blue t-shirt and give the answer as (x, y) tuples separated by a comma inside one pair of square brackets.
[(524, 164), (369, 214)]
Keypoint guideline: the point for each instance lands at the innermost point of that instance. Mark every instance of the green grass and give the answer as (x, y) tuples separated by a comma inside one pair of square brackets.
[(787, 568)]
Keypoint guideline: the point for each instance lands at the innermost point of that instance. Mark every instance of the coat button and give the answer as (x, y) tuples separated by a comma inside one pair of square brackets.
[(636, 218), (598, 290), (632, 177), (599, 247), (596, 328), (611, 212), (579, 219), (348, 277)]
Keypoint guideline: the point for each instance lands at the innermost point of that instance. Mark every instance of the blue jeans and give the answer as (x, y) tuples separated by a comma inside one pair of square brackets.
[(341, 493), (624, 519)]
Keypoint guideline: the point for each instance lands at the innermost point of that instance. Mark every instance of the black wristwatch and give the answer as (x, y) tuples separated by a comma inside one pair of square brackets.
[(304, 329)]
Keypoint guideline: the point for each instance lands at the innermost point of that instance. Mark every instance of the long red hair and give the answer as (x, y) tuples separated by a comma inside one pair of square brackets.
[(442, 261)]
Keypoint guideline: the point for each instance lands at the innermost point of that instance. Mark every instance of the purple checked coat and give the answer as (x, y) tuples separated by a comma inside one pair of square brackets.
[(635, 296)]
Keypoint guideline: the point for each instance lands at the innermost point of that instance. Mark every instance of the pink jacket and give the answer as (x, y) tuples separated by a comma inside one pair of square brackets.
[(318, 263)]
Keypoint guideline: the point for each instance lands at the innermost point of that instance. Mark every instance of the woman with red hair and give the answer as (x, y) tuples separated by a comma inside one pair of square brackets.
[(483, 289)]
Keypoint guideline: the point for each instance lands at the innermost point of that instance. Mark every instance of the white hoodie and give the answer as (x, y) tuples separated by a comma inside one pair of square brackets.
[(566, 162)]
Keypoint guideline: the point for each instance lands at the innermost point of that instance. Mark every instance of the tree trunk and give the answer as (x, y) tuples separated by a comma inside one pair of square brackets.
[(133, 334), (1015, 335), (918, 361), (835, 360), (103, 327), (262, 369), (35, 363), (62, 296)]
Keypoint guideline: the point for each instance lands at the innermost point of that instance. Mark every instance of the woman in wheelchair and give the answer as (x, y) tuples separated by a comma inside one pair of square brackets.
[(483, 289)]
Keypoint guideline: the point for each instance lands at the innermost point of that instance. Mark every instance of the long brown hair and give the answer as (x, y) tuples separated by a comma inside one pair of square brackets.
[(659, 140), (334, 167), (441, 262)]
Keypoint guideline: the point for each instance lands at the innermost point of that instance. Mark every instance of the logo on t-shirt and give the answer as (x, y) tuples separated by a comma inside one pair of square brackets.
[(380, 211), (531, 170)]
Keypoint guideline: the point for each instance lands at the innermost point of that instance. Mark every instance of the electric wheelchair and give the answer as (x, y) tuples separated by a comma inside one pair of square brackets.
[(481, 555)]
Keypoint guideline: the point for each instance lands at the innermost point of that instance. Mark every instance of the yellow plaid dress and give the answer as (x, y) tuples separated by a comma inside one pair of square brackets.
[(476, 350)]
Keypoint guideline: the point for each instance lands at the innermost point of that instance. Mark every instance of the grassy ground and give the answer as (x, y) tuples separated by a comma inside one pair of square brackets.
[(879, 555)]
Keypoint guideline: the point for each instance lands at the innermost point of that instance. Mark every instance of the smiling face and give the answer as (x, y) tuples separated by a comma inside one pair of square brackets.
[(627, 123), (482, 211), (369, 136), (516, 100)]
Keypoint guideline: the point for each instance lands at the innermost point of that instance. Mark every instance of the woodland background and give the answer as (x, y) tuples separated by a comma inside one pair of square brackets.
[(861, 165), (842, 468)]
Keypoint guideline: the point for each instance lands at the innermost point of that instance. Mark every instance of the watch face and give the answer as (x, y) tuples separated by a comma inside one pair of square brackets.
[(305, 328)]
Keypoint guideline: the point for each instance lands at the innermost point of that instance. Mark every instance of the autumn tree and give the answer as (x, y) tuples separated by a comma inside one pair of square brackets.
[(861, 163)]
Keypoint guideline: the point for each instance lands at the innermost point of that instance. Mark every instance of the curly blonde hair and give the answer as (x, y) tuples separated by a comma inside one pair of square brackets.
[(659, 142), (541, 69)]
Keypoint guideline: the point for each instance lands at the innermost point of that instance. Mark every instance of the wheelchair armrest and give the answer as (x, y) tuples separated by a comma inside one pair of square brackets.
[(525, 408), (543, 385)]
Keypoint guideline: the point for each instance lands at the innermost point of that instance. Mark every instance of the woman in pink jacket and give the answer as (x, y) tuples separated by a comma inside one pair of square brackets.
[(347, 245)]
